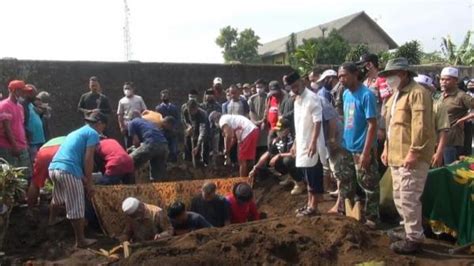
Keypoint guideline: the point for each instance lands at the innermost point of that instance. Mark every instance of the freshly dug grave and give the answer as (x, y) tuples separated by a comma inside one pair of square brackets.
[(283, 240)]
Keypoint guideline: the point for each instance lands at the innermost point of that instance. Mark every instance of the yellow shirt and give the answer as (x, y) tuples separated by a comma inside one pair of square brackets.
[(411, 126)]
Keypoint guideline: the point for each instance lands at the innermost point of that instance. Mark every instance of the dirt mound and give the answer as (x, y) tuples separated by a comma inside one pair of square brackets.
[(186, 171), (284, 240)]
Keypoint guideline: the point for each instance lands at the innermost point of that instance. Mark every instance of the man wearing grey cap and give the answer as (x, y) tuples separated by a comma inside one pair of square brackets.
[(211, 206), (409, 148)]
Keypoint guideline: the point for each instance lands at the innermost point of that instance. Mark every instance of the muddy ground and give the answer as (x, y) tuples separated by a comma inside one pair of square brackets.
[(281, 239)]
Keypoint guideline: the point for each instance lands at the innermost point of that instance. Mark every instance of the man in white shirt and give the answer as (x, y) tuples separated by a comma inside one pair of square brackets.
[(129, 107), (238, 128), (308, 117)]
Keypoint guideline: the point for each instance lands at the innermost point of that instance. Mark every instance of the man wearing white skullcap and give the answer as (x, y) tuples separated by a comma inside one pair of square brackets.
[(143, 221), (441, 119), (457, 104)]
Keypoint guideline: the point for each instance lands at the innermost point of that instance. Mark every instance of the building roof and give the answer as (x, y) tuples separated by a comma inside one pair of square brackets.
[(279, 46)]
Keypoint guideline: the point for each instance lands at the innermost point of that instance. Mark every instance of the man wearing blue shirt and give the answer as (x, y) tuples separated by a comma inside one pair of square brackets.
[(71, 172), (359, 139), (151, 145)]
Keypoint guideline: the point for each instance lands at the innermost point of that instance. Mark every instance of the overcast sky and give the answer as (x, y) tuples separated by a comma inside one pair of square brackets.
[(185, 31)]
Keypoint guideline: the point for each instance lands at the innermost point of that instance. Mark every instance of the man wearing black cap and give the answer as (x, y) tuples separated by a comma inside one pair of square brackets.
[(279, 156), (71, 172), (308, 136), (94, 101), (378, 85)]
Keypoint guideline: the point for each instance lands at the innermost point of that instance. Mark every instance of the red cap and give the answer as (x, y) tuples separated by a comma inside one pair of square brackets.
[(16, 85)]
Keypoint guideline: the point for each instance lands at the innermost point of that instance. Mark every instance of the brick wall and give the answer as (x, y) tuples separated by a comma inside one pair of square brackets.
[(66, 81)]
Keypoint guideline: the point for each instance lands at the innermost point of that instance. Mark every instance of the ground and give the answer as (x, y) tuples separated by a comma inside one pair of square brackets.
[(280, 239)]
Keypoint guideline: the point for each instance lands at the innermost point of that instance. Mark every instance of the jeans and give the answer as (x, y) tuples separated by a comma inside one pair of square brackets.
[(108, 180), (157, 154), (451, 154)]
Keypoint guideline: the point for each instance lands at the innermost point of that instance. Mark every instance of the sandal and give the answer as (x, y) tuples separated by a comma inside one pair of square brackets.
[(302, 209), (307, 212)]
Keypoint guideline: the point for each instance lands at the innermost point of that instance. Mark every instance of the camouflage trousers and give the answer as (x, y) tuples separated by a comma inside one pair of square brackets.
[(347, 170)]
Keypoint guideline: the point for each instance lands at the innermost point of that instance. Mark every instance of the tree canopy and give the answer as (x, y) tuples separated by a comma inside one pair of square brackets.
[(241, 47)]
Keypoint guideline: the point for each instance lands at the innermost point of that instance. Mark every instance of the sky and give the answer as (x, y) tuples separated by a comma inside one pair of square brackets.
[(185, 31)]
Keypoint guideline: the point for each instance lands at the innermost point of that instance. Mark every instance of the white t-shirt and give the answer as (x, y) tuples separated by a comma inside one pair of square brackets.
[(308, 111), (131, 107), (241, 125)]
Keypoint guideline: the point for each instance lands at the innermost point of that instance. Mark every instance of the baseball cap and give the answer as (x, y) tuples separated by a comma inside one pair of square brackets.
[(96, 117), (368, 58), (450, 71), (243, 192), (16, 85), (274, 85), (327, 73), (217, 80)]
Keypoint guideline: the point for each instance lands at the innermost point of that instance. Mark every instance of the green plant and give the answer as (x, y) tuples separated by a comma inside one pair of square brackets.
[(12, 187), (411, 51), (323, 50), (356, 52), (454, 55), (241, 47)]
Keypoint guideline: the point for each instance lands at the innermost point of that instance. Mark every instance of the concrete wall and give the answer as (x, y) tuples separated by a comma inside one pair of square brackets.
[(360, 31), (66, 81)]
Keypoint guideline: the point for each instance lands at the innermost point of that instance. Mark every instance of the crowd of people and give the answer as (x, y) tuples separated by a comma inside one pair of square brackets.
[(351, 124)]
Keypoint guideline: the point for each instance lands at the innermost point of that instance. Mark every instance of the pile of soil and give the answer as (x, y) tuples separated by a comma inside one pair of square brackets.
[(186, 171), (283, 240), (280, 239)]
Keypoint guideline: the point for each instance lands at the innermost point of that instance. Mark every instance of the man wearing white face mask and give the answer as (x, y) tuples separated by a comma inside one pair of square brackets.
[(409, 148), (129, 107)]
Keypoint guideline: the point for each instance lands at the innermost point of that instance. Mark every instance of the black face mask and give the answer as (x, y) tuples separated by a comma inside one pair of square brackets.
[(328, 85), (166, 100)]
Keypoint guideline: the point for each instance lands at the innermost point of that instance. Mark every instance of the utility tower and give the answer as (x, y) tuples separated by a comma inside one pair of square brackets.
[(126, 33)]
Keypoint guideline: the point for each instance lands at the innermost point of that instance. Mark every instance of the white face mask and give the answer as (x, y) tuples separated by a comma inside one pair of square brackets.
[(394, 82), (260, 90), (128, 93), (314, 85)]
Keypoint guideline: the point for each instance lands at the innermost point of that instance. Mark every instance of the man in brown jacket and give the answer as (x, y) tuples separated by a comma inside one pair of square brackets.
[(408, 150)]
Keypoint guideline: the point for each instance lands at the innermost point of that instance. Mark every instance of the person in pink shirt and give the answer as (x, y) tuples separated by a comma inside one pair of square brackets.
[(13, 145), (242, 204)]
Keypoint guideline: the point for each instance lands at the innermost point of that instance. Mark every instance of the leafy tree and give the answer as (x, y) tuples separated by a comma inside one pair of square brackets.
[(411, 51), (384, 56), (324, 50), (356, 52), (462, 55), (241, 47), (332, 49), (290, 50), (432, 58), (306, 56)]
